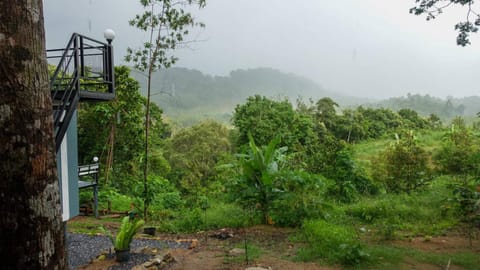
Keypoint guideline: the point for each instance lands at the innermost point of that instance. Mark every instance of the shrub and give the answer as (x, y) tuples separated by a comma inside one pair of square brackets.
[(125, 235), (404, 166), (301, 197)]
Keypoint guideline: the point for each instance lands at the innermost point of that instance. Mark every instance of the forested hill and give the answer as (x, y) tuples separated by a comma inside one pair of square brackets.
[(426, 105), (188, 95), (179, 89)]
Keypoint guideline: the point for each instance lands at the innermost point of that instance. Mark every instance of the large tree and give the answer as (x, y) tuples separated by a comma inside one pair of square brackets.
[(31, 231)]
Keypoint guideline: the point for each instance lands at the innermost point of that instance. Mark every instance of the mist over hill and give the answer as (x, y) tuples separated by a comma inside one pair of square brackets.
[(425, 105), (188, 95)]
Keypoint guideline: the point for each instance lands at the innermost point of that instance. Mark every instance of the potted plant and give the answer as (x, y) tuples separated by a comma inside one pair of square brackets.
[(124, 237)]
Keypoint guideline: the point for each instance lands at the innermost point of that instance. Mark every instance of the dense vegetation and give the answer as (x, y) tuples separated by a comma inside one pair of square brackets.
[(339, 176)]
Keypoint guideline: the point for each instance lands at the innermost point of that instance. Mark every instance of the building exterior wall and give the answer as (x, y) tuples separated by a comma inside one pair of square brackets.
[(67, 167)]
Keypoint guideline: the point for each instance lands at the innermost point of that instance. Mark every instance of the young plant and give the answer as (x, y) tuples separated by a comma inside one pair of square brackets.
[(259, 168), (125, 235)]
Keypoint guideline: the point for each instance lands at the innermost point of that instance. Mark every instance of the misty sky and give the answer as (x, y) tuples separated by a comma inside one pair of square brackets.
[(368, 48)]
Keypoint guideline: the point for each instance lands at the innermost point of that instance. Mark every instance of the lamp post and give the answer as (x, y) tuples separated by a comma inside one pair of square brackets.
[(109, 35)]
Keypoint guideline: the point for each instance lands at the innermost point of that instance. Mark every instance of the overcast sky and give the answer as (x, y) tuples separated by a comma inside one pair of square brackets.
[(368, 48)]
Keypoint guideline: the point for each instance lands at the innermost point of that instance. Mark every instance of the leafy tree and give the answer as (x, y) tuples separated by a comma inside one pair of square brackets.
[(264, 119), (433, 8), (350, 126), (434, 121), (404, 166), (379, 122), (31, 231), (194, 153), (325, 112), (113, 130), (167, 22), (412, 120)]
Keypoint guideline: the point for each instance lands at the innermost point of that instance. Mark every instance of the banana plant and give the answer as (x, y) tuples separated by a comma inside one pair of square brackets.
[(260, 166)]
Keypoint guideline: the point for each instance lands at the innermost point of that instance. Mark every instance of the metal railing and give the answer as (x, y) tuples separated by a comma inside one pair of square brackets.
[(84, 64)]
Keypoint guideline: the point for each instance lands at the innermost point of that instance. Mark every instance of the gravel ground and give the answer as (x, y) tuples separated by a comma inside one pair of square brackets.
[(82, 248)]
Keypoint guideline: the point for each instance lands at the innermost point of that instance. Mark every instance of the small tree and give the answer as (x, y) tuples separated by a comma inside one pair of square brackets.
[(405, 166), (458, 155), (259, 168), (167, 23)]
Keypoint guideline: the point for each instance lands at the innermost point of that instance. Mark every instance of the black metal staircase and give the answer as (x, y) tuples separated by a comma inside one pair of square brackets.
[(84, 72)]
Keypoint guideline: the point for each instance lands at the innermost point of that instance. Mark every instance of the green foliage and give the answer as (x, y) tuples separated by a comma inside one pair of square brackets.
[(300, 197), (391, 257), (412, 120), (114, 199), (194, 153), (350, 180), (168, 23), (330, 243), (404, 166), (433, 8), (219, 215), (466, 202), (428, 106), (459, 154), (114, 131), (226, 215), (128, 229), (421, 212), (266, 119), (255, 187)]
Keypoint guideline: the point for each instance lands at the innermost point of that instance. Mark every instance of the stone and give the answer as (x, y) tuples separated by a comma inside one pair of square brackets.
[(236, 252)]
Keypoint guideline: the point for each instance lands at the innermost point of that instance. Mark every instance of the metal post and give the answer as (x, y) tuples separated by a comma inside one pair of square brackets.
[(82, 60), (95, 200), (110, 68), (95, 193)]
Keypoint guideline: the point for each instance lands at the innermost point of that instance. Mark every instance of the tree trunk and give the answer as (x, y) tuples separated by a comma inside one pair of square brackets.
[(31, 230)]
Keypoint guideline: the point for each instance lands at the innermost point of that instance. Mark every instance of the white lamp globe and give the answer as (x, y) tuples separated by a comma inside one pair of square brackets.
[(109, 35), (95, 159)]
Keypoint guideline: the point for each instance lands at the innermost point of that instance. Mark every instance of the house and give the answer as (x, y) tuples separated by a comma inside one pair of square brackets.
[(84, 73)]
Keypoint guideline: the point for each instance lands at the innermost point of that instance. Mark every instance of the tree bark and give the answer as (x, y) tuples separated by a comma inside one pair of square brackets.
[(31, 231)]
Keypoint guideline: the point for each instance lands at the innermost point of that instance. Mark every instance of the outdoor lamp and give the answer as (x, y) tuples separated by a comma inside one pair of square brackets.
[(109, 35), (95, 159)]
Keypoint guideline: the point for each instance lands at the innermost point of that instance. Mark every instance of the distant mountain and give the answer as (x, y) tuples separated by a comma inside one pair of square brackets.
[(180, 91), (188, 95)]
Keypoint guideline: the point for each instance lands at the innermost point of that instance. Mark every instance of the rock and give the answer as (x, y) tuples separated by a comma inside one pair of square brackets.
[(222, 234), (236, 252), (158, 262), (193, 244), (138, 267)]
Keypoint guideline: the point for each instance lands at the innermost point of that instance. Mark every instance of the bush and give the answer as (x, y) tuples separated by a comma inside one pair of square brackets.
[(331, 243), (301, 197), (404, 166)]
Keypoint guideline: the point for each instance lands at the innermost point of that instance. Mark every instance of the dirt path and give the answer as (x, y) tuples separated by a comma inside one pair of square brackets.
[(277, 251)]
